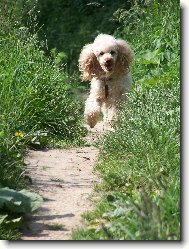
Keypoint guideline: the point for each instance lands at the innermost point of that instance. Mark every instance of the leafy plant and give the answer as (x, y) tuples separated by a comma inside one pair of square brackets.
[(149, 57), (14, 205), (21, 202)]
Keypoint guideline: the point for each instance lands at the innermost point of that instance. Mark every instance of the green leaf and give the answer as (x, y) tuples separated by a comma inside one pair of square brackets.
[(59, 57), (35, 199), (2, 134), (14, 222), (2, 218), (150, 57), (19, 201)]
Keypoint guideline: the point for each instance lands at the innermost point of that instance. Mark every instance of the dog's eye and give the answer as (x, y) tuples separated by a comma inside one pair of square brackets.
[(101, 53), (112, 52)]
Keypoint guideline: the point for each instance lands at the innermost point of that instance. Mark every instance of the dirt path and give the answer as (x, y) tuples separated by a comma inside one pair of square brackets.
[(65, 179)]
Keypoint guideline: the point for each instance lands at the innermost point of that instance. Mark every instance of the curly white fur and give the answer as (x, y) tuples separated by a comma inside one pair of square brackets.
[(106, 63)]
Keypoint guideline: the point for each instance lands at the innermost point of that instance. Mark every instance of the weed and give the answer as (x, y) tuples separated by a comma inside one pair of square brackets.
[(56, 226)]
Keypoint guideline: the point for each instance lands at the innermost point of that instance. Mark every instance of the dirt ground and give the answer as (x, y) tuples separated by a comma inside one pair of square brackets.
[(65, 178)]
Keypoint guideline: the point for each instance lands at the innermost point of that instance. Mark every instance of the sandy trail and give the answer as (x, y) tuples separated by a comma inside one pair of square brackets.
[(65, 179)]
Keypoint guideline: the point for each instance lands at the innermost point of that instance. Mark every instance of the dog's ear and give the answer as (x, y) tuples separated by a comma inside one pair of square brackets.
[(88, 64), (125, 55)]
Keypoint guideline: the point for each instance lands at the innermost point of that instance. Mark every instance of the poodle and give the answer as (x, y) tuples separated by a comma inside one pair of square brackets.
[(106, 63)]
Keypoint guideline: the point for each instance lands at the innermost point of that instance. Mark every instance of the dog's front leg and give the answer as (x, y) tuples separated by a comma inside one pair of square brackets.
[(92, 111)]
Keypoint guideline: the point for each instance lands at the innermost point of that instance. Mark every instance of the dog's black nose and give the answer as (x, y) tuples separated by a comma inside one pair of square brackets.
[(108, 61)]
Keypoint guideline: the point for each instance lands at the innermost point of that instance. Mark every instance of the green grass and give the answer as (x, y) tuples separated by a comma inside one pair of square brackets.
[(139, 166), (140, 161), (38, 106), (56, 226)]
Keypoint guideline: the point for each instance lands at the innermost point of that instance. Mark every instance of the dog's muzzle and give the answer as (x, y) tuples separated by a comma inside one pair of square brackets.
[(108, 65)]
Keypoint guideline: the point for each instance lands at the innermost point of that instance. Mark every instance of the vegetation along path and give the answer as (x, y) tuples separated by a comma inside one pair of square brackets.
[(65, 179)]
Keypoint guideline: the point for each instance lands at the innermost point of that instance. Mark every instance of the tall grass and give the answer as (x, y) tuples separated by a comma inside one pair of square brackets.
[(140, 161), (36, 101), (37, 105), (140, 171)]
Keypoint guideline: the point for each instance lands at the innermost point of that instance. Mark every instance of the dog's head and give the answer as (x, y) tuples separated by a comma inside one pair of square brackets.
[(105, 49), (104, 57)]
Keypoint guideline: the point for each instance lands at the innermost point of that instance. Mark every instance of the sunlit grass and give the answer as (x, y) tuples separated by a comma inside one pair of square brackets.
[(140, 161), (38, 107)]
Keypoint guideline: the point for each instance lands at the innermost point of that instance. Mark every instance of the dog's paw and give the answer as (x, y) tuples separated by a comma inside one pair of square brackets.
[(91, 119)]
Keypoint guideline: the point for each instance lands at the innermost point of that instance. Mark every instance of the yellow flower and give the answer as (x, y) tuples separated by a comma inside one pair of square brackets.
[(19, 134)]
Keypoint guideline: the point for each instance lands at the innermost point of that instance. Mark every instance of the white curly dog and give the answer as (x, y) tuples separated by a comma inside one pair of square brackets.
[(106, 63)]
